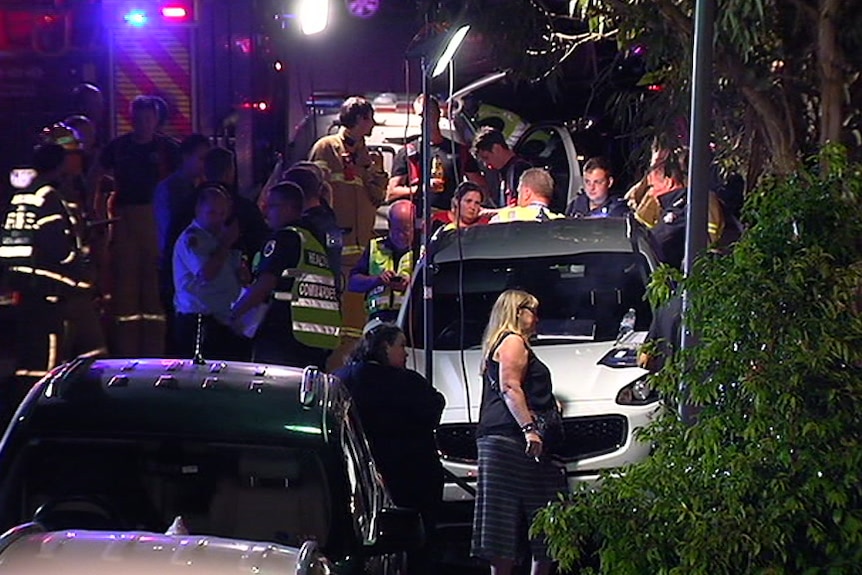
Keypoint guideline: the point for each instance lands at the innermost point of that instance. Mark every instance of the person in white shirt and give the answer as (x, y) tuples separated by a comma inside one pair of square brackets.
[(207, 278)]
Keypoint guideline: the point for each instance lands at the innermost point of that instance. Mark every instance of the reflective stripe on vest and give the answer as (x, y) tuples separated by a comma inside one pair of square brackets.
[(381, 259), (14, 252), (36, 199), (351, 251), (526, 214), (50, 275), (314, 305)]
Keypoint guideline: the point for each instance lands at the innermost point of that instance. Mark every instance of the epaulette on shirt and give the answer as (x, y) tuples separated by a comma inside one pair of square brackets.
[(191, 237)]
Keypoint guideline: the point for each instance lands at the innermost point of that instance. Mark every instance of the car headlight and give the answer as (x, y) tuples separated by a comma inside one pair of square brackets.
[(638, 392)]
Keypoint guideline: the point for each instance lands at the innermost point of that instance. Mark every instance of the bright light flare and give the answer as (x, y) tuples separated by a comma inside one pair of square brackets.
[(313, 16), (174, 12), (449, 52), (136, 18)]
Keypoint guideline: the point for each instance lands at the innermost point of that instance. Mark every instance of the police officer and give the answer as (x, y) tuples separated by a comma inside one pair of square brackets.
[(43, 258), (317, 216), (207, 273), (383, 272), (301, 325)]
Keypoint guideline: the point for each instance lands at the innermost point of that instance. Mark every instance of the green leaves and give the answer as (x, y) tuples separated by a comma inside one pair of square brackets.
[(767, 481)]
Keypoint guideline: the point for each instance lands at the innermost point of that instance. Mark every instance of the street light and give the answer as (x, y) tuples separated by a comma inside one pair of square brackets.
[(448, 53), (313, 16), (435, 55)]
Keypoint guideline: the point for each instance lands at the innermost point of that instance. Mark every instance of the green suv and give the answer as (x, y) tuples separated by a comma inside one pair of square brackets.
[(235, 450)]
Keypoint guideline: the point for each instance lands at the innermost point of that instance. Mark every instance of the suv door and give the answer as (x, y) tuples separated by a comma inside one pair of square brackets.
[(550, 146)]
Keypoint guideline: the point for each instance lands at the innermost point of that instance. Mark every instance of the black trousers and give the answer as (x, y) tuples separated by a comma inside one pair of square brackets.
[(218, 341)]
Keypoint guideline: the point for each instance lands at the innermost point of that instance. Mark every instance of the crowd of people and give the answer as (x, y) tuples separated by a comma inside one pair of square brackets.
[(190, 268)]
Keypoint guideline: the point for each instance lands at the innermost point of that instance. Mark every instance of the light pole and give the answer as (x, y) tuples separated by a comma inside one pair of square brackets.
[(440, 60), (697, 204)]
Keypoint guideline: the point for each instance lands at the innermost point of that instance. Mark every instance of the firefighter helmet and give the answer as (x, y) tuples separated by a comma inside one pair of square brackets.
[(62, 135)]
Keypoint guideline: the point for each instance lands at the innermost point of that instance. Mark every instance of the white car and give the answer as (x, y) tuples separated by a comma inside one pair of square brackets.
[(587, 274), (29, 550)]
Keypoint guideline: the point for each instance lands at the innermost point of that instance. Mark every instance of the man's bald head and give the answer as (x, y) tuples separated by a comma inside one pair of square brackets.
[(401, 215)]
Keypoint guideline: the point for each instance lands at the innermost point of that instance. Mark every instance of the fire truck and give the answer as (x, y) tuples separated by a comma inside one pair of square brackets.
[(214, 62)]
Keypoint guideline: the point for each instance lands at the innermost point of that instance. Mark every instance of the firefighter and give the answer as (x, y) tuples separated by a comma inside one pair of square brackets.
[(358, 189), (44, 259), (302, 322), (138, 161)]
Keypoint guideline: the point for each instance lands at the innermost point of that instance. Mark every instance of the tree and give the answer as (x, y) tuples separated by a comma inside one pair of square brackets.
[(786, 70), (768, 480)]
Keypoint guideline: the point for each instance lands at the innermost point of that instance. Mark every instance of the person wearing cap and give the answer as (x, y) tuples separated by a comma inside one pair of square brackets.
[(43, 258), (358, 184)]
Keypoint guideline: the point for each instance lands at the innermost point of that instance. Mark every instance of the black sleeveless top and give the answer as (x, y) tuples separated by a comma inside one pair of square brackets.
[(494, 416)]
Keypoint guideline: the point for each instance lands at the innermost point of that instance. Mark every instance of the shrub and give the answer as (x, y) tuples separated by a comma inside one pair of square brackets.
[(768, 479)]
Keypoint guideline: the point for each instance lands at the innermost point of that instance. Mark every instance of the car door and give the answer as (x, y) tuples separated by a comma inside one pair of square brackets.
[(550, 146)]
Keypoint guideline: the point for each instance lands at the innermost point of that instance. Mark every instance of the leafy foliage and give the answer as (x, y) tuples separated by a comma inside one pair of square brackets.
[(768, 479), (777, 74)]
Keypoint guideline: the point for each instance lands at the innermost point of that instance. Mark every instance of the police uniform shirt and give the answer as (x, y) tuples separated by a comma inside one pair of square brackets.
[(456, 161), (193, 293), (669, 231), (280, 252), (612, 207)]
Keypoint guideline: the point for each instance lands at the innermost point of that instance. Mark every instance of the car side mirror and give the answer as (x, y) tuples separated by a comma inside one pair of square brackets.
[(396, 529)]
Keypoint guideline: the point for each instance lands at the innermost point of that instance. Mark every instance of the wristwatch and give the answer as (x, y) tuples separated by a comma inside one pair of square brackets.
[(530, 427)]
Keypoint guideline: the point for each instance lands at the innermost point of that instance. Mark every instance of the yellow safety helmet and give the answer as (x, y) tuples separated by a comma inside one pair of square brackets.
[(62, 135)]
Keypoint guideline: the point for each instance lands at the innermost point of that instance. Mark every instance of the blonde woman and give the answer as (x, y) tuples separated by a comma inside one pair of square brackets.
[(515, 480)]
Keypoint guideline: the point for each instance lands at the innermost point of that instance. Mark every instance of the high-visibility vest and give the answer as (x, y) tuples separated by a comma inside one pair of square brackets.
[(380, 259), (525, 214), (314, 305)]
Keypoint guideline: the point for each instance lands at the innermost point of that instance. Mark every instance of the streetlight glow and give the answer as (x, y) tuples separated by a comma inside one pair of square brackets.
[(313, 16), (449, 52)]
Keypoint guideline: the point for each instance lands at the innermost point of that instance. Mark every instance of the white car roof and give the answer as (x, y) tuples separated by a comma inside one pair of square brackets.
[(79, 552)]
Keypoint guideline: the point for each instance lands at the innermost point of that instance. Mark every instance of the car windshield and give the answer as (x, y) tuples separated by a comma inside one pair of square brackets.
[(582, 297), (237, 491)]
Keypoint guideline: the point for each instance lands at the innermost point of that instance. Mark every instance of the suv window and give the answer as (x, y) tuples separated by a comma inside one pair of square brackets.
[(366, 491), (582, 297), (227, 490)]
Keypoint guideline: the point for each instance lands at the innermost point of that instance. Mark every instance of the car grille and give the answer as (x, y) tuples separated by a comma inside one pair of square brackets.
[(585, 437)]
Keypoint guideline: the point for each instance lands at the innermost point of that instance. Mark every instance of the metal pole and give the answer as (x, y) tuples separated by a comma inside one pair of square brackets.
[(425, 191), (697, 207)]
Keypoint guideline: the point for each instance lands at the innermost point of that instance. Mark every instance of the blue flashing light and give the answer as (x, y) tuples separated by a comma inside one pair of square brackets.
[(136, 18)]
